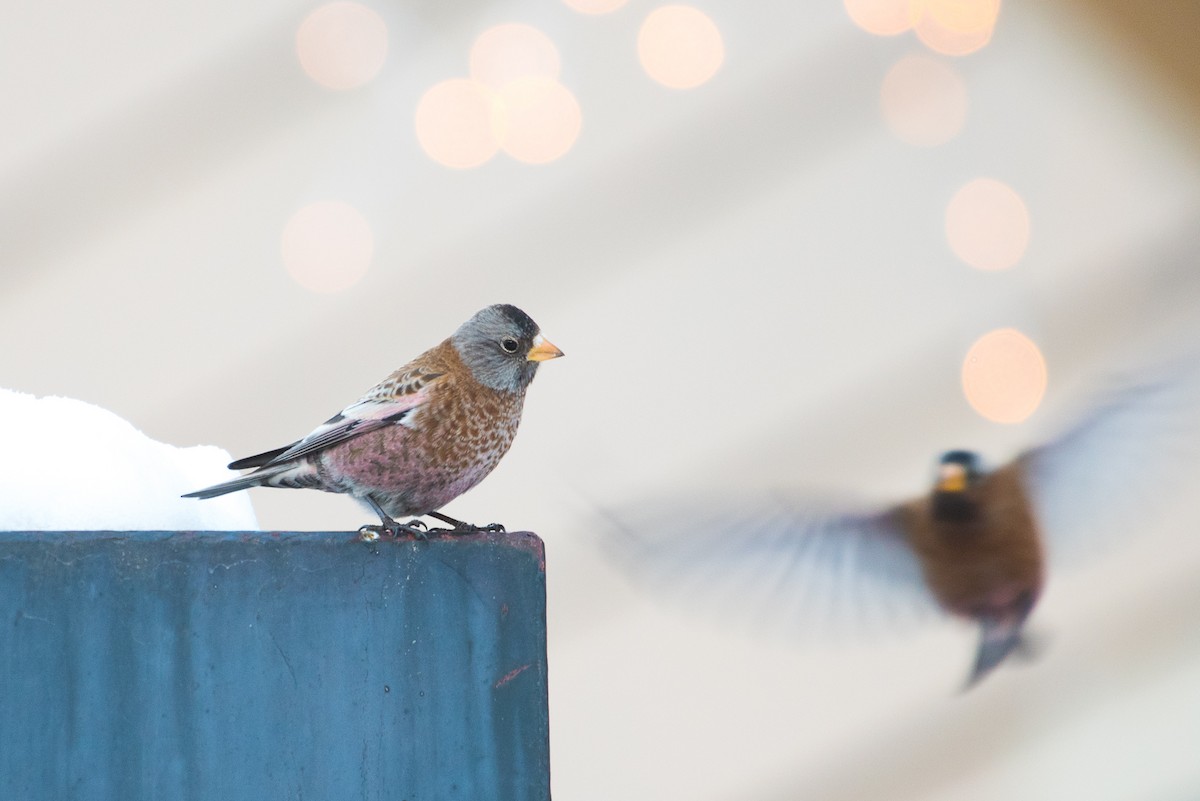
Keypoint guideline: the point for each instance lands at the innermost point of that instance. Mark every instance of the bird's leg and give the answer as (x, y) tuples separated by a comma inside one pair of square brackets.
[(465, 528), (390, 528)]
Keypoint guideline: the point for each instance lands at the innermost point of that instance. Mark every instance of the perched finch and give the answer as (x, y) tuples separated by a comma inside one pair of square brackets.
[(425, 434), (974, 546)]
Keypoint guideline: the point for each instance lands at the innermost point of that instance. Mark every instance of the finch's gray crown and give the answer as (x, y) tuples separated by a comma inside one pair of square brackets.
[(485, 344)]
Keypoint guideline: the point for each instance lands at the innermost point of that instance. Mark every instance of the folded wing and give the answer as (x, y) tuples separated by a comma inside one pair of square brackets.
[(391, 403)]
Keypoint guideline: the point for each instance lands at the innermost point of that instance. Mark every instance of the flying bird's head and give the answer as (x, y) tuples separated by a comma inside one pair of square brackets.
[(957, 471), (502, 347)]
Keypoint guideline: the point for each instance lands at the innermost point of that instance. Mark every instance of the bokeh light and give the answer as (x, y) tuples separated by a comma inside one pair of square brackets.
[(542, 120), (955, 27), (923, 101), (327, 246), (881, 17), (987, 225), (595, 6), (459, 123), (342, 45), (680, 47), (1004, 376), (506, 53)]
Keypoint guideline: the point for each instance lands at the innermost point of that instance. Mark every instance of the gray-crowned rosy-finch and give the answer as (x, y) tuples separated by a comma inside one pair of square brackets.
[(425, 434)]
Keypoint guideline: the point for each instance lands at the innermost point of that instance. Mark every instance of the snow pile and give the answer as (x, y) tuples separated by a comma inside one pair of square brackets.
[(67, 465)]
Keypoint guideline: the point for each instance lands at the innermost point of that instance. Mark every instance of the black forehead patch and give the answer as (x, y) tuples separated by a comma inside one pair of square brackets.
[(520, 319), (965, 458)]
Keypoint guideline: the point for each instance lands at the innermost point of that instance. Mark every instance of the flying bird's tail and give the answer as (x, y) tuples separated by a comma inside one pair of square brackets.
[(288, 474), (998, 637), (1001, 636)]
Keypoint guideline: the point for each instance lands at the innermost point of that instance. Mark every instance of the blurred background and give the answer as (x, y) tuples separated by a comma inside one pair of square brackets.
[(799, 244)]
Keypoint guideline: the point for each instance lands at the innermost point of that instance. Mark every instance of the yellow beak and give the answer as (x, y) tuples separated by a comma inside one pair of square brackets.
[(952, 479), (953, 483), (542, 350)]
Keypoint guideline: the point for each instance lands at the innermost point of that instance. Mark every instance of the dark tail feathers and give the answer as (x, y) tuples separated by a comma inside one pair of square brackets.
[(245, 482), (257, 460)]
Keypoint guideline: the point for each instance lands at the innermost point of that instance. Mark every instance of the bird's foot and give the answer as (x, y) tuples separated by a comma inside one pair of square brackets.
[(393, 530), (460, 528)]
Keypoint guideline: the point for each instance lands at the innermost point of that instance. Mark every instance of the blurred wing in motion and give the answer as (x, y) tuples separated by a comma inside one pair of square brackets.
[(1122, 468), (777, 562)]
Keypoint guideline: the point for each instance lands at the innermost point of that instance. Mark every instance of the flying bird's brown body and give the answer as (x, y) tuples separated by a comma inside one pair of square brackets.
[(987, 563)]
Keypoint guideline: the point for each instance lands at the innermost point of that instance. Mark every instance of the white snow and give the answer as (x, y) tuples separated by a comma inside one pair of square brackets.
[(71, 466)]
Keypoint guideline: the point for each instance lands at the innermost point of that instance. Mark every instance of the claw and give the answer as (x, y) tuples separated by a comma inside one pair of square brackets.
[(390, 528), (461, 528), (393, 530)]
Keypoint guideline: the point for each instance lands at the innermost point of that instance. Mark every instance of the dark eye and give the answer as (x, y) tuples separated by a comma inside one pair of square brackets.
[(509, 344)]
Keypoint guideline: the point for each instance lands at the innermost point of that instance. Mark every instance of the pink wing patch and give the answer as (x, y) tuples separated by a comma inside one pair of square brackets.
[(354, 421)]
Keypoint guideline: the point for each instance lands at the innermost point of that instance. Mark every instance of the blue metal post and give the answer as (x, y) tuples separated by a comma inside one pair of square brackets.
[(258, 666)]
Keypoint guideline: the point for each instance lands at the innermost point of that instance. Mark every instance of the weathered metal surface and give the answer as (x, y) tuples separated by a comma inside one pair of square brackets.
[(271, 666)]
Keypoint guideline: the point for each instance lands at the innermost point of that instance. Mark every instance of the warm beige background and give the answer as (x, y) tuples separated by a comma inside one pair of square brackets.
[(750, 282)]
